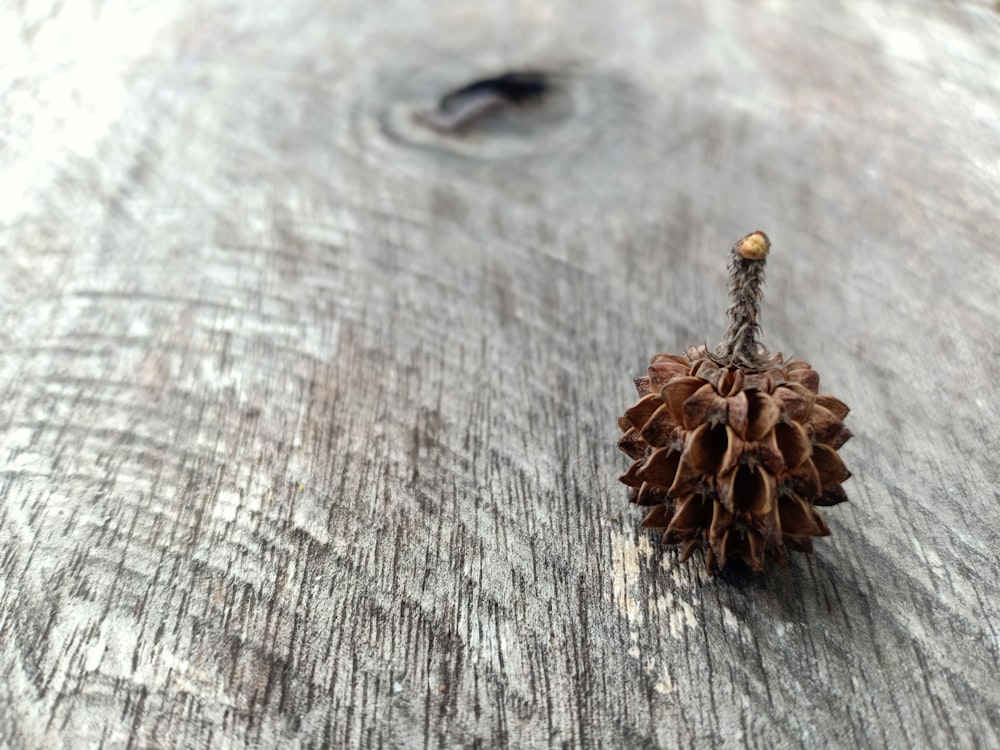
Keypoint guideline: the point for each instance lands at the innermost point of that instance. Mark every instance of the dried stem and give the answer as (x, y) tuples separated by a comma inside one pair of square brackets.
[(746, 281)]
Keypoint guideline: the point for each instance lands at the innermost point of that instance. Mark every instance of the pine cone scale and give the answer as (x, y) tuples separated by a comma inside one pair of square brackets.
[(660, 467), (676, 392), (827, 428), (830, 466), (659, 429), (739, 413), (704, 406), (639, 414), (839, 409), (792, 441)]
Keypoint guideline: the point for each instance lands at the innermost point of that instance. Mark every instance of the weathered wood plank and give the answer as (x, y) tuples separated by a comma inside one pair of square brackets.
[(308, 415)]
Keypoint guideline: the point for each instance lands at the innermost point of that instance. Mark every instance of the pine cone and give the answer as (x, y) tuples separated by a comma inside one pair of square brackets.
[(734, 449)]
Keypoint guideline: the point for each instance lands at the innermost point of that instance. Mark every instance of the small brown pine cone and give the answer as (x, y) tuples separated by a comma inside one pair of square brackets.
[(733, 450)]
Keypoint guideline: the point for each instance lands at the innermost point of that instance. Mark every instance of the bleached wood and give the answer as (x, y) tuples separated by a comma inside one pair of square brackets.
[(308, 414)]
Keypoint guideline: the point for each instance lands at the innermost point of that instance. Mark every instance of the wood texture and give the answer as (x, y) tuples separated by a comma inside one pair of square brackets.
[(308, 414)]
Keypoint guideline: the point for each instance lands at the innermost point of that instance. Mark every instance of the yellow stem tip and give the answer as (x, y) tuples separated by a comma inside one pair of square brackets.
[(754, 246)]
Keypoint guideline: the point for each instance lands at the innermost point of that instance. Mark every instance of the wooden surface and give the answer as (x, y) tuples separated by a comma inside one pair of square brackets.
[(307, 423)]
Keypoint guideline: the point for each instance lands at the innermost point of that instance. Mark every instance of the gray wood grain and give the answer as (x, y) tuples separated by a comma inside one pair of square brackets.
[(308, 414)]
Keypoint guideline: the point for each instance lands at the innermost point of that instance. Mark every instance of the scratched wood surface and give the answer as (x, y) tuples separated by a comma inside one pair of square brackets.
[(307, 427)]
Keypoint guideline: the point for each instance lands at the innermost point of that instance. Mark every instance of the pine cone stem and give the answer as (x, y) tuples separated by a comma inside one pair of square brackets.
[(746, 282)]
